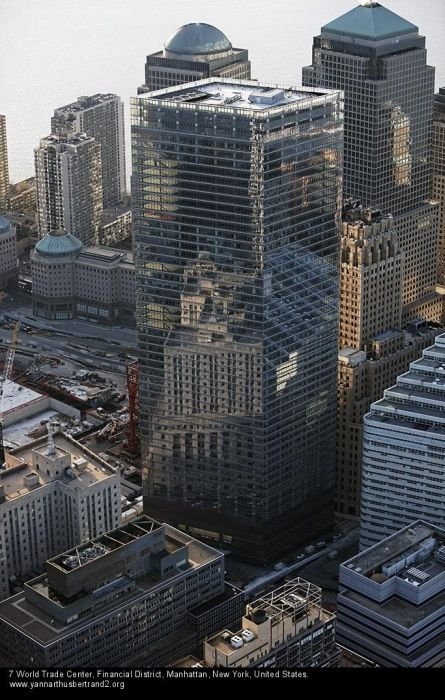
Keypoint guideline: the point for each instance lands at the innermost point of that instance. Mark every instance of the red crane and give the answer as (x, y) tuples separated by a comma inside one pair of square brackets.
[(133, 406)]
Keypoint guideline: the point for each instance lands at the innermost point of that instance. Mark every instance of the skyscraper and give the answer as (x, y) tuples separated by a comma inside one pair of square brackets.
[(379, 60), (69, 186), (4, 170), (102, 118), (388, 277), (374, 346), (236, 189), (403, 451), (439, 174), (193, 52)]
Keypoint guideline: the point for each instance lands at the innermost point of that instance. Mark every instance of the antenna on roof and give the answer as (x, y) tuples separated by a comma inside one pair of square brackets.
[(51, 450)]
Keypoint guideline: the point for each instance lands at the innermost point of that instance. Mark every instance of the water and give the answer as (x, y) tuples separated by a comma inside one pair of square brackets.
[(55, 50)]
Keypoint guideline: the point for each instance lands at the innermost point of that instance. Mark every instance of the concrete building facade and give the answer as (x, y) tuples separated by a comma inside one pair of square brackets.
[(391, 600), (236, 251), (114, 600), (403, 451), (195, 51), (116, 226), (69, 186), (287, 628), (8, 252), (376, 343), (4, 167), (54, 494), (102, 118), (74, 281), (23, 197)]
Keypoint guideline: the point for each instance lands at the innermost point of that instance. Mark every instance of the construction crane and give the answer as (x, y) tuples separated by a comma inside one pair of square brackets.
[(7, 371), (133, 406)]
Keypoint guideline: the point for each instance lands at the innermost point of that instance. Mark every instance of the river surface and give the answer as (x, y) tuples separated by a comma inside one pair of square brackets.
[(55, 50)]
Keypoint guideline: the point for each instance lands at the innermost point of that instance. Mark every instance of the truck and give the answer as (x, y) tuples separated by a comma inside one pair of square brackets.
[(309, 549)]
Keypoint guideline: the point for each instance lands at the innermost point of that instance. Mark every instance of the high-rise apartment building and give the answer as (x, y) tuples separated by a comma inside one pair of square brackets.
[(403, 451), (69, 186), (439, 174), (195, 51), (379, 60), (102, 118), (374, 346), (54, 494), (391, 600), (4, 168), (122, 598), (236, 195), (286, 628)]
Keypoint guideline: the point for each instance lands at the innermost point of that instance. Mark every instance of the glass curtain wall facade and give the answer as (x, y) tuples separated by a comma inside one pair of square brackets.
[(236, 199)]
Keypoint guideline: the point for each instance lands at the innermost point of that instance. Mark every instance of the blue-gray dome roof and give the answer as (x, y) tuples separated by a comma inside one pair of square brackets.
[(197, 39), (5, 225), (58, 243)]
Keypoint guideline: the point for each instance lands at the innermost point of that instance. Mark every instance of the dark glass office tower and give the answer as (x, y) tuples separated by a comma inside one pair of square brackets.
[(379, 60), (236, 189)]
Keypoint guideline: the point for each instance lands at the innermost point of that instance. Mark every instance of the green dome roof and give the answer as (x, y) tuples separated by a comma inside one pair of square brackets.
[(197, 39), (58, 243), (5, 225), (370, 21)]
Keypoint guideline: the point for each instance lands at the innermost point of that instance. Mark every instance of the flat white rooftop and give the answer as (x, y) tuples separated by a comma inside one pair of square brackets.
[(249, 95), (15, 395)]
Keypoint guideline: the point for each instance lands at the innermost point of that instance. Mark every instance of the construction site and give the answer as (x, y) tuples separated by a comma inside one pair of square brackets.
[(96, 405)]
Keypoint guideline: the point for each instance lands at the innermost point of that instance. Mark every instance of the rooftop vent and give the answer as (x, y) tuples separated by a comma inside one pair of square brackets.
[(31, 481), (236, 642)]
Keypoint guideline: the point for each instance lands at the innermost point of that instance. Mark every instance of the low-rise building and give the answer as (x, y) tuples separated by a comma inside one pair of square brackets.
[(116, 225), (118, 596), (23, 197), (285, 628), (54, 494), (391, 601), (73, 281)]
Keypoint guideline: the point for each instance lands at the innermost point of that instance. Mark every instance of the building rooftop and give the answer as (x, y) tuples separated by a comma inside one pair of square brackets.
[(91, 469), (399, 610), (245, 95), (85, 102), (416, 554), (197, 38), (111, 214), (370, 21), (295, 605), (41, 626), (58, 243), (16, 395)]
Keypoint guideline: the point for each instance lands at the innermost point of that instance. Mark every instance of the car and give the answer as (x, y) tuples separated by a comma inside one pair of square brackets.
[(280, 565), (320, 544), (337, 536), (300, 556)]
